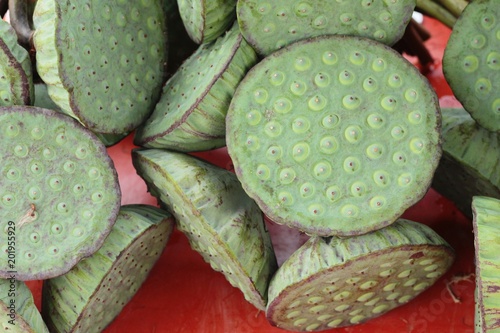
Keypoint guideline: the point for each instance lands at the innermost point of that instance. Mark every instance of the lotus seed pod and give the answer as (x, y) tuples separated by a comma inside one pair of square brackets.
[(205, 20), (337, 282), (59, 191), (334, 135), (486, 224), (93, 293), (471, 62), (190, 115), (470, 162), (16, 76), (103, 62), (18, 312), (271, 25), (220, 221)]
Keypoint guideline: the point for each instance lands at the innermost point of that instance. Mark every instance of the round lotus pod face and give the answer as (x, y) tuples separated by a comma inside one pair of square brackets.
[(271, 25), (16, 77), (334, 135), (471, 62), (338, 282), (103, 62), (59, 192)]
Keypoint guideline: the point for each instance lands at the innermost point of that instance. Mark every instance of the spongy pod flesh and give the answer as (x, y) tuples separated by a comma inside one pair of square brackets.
[(93, 293), (220, 221)]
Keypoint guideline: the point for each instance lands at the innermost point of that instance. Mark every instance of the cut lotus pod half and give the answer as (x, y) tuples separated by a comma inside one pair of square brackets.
[(470, 162), (16, 75), (190, 115), (337, 282), (471, 62), (18, 311), (334, 135), (271, 25), (104, 62), (205, 20), (59, 191), (486, 224), (220, 221), (93, 293)]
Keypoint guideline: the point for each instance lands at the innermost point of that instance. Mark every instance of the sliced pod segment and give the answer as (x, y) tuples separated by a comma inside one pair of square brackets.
[(337, 282), (190, 115), (220, 221), (59, 191), (92, 294), (334, 135)]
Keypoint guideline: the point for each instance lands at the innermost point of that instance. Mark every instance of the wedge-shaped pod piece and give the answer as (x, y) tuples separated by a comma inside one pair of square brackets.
[(205, 20), (16, 75), (93, 293), (334, 135), (103, 61), (59, 191), (190, 115), (271, 25), (486, 224), (220, 221), (471, 61), (470, 162), (336, 282), (18, 312)]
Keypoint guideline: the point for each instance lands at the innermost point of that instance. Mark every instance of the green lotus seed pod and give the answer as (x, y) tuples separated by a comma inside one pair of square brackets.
[(334, 135), (205, 20), (271, 25), (98, 287), (220, 221), (190, 115), (18, 312), (59, 191), (16, 76), (471, 62), (103, 62), (470, 162), (486, 223), (337, 282)]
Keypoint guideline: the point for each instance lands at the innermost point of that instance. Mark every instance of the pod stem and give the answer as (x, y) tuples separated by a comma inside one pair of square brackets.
[(436, 11), (454, 6), (18, 11)]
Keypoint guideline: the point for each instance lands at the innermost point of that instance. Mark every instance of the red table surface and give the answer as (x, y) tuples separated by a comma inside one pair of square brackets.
[(183, 294)]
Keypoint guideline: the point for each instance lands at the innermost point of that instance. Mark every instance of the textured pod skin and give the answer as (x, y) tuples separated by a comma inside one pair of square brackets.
[(92, 294), (338, 282), (271, 25), (59, 191), (471, 62), (16, 84), (220, 221), (190, 115), (205, 20), (104, 62), (27, 318), (470, 162), (334, 135), (486, 222)]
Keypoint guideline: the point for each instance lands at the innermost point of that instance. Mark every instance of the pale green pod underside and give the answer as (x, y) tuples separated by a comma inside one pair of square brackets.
[(486, 223), (93, 293), (471, 61), (190, 115), (205, 20), (271, 25), (16, 76), (59, 191), (220, 221), (104, 62), (337, 282), (334, 135), (470, 162), (16, 300)]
